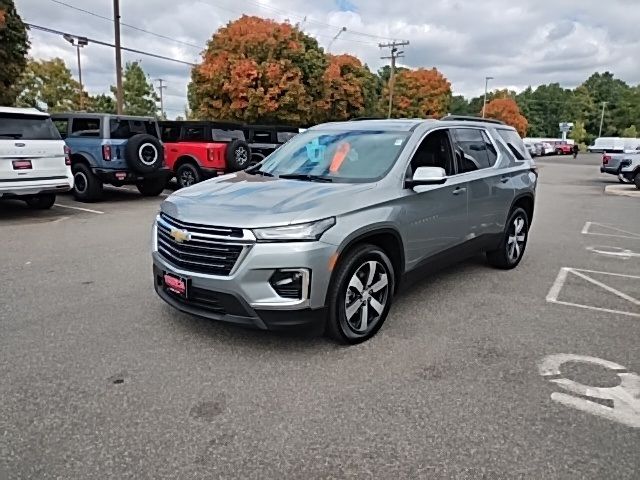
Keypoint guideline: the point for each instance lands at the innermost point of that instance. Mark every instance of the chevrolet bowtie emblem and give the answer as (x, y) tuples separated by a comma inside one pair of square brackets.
[(180, 235)]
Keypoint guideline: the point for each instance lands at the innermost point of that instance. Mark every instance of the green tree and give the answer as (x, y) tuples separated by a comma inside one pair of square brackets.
[(49, 82), (139, 97), (578, 132), (631, 132), (102, 103), (460, 106), (14, 45), (604, 87)]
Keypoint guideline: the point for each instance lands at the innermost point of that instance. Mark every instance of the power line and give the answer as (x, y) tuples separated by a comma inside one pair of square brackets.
[(107, 44), (133, 27)]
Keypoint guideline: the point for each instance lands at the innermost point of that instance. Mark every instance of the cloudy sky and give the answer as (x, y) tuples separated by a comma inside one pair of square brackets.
[(518, 42)]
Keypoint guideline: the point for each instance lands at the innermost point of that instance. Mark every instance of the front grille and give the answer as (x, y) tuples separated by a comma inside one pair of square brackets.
[(200, 253)]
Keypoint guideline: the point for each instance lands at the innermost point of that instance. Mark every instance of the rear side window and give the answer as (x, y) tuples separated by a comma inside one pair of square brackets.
[(472, 151), (62, 125), (515, 144), (193, 134), (85, 127), (123, 129), (27, 127), (221, 135), (262, 136), (284, 137), (170, 134)]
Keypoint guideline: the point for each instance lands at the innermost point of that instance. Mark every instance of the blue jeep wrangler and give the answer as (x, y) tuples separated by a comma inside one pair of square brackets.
[(114, 149)]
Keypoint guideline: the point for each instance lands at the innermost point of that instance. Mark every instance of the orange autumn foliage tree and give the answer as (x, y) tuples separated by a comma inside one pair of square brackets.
[(418, 93), (349, 89), (259, 70), (507, 110)]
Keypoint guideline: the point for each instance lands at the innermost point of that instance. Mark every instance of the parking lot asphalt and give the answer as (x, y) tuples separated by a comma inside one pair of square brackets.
[(101, 379)]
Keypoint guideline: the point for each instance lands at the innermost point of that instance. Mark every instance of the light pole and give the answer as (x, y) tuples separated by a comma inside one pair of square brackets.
[(604, 104), (343, 29), (78, 42), (486, 87)]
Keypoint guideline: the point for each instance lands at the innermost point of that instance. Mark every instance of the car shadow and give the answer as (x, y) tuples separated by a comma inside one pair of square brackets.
[(17, 212)]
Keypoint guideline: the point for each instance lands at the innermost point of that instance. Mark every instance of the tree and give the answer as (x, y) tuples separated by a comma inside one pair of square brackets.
[(506, 109), (259, 70), (102, 103), (49, 82), (14, 45), (348, 91), (578, 132), (139, 97), (460, 106), (419, 93), (630, 132)]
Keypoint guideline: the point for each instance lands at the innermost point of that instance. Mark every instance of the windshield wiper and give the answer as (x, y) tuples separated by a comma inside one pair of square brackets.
[(11, 135), (304, 176), (259, 172)]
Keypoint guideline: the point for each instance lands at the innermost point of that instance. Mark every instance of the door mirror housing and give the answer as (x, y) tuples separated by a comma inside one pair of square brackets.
[(427, 176)]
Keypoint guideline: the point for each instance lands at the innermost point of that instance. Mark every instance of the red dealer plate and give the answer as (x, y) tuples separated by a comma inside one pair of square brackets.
[(22, 165), (175, 284)]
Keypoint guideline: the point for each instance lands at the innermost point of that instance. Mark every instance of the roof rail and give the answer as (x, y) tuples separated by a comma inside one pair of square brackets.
[(357, 119), (466, 118)]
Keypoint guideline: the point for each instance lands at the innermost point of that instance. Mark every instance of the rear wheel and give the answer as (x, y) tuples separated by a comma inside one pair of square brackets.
[(86, 186), (636, 180), (514, 242), (238, 155), (41, 202), (623, 179), (152, 187), (188, 174), (360, 295)]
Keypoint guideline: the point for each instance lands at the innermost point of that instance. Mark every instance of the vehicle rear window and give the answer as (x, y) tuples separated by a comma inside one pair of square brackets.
[(27, 127), (515, 144), (221, 135), (85, 127), (123, 129)]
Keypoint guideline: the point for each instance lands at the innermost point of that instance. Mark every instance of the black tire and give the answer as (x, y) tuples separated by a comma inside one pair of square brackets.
[(238, 155), (636, 180), (502, 257), (144, 153), (355, 262), (188, 174), (41, 202), (559, 152), (622, 179), (86, 186), (152, 187)]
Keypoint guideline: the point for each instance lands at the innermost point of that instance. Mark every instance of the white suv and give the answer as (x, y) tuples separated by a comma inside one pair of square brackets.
[(34, 161)]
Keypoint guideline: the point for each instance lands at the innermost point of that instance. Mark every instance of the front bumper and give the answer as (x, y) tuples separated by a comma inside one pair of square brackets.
[(245, 296), (114, 176)]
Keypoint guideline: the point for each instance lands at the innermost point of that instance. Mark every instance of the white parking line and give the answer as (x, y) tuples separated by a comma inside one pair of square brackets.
[(586, 230), (79, 208)]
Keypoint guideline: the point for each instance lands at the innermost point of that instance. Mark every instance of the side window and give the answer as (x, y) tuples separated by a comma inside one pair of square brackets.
[(62, 124), (492, 155), (85, 127), (284, 137), (471, 150), (170, 134), (221, 135), (434, 151), (515, 144), (120, 129), (193, 134), (262, 136)]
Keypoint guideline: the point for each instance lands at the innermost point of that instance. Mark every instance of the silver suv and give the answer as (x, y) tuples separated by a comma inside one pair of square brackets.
[(323, 230)]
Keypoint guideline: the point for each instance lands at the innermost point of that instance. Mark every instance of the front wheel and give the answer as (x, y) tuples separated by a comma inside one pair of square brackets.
[(152, 187), (360, 295), (636, 180), (187, 175), (41, 202), (514, 242)]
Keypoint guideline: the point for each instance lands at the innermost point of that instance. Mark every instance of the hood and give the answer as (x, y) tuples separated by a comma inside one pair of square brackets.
[(249, 201)]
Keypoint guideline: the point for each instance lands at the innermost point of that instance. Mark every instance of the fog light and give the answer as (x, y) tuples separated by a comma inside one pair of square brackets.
[(292, 283)]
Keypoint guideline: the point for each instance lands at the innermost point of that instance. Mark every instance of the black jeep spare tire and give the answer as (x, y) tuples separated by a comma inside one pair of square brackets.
[(238, 155), (144, 153)]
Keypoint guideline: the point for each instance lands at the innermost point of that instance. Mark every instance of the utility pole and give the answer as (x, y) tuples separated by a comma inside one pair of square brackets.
[(395, 54), (486, 87), (116, 28), (604, 104), (161, 87)]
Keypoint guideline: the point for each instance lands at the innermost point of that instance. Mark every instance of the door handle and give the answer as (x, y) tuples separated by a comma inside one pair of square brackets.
[(459, 190), (504, 179)]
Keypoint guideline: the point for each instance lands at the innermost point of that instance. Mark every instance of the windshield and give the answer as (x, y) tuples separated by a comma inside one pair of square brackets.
[(27, 127), (341, 156)]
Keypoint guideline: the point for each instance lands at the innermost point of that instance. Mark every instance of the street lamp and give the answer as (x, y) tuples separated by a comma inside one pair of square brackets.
[(486, 86), (343, 29), (78, 42)]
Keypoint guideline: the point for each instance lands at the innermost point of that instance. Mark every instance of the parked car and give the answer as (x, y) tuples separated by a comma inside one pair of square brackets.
[(197, 150), (626, 166), (265, 139), (547, 148), (322, 232), (563, 148), (34, 161), (113, 149)]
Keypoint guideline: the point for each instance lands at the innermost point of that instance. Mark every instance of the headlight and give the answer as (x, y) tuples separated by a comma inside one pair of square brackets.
[(301, 231)]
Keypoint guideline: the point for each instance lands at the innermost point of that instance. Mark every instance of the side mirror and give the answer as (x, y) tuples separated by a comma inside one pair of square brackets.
[(427, 176)]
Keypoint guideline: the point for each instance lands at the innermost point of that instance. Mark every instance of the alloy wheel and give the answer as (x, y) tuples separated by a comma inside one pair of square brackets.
[(516, 238), (242, 156), (366, 297), (80, 182), (187, 178)]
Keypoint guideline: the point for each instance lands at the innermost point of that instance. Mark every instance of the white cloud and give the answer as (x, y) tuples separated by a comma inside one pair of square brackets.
[(525, 43)]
